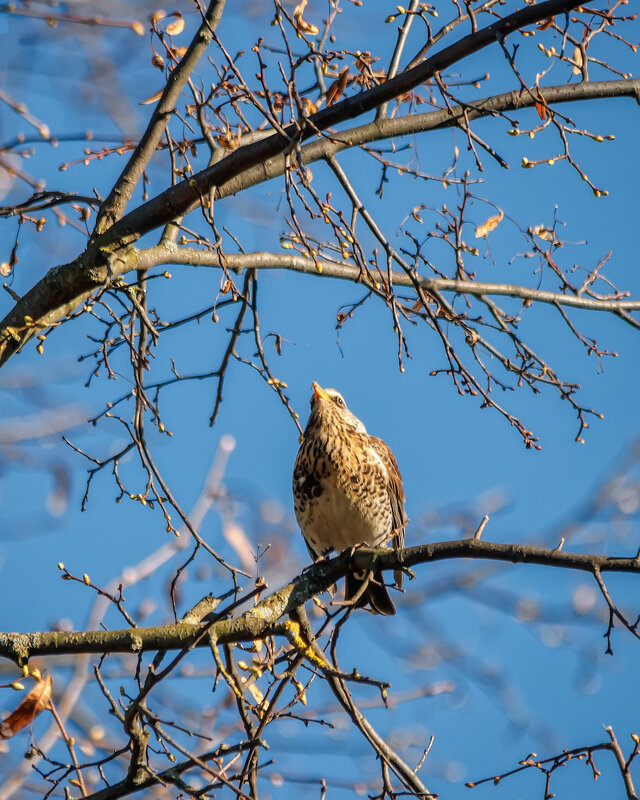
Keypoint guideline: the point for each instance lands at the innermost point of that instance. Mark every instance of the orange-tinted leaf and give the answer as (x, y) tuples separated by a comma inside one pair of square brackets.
[(257, 694), (364, 61), (153, 99), (35, 702), (541, 108), (482, 231), (309, 106), (261, 704), (545, 24), (543, 233), (177, 26), (336, 90), (302, 26), (577, 58)]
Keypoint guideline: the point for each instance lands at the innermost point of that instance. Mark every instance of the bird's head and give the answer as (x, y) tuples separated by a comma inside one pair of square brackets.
[(329, 408)]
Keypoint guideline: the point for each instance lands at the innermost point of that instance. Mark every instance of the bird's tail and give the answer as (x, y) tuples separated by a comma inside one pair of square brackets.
[(374, 595)]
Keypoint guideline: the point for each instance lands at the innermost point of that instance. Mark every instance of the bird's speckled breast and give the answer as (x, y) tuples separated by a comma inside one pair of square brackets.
[(341, 502)]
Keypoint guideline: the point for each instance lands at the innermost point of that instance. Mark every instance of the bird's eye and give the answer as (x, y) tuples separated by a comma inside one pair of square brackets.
[(339, 401)]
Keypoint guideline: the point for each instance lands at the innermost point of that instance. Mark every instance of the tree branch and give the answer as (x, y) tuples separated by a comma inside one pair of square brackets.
[(346, 271), (113, 207), (65, 286), (250, 170), (263, 620), (169, 776), (187, 195)]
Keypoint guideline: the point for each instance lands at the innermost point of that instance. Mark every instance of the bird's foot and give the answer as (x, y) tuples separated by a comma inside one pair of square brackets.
[(351, 551)]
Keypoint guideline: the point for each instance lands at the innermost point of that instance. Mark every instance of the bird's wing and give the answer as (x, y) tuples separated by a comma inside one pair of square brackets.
[(312, 552), (395, 490)]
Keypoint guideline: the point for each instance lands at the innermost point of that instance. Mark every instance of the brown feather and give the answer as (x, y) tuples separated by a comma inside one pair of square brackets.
[(348, 491), (397, 498)]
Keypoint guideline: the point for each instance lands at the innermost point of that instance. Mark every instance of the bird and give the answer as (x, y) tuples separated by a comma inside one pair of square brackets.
[(347, 491)]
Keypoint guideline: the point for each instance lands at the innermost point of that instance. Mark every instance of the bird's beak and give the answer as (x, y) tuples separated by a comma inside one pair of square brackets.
[(319, 392)]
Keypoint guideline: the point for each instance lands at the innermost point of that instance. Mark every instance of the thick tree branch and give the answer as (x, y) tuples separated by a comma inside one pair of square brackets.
[(187, 195), (346, 271), (263, 620), (114, 206), (58, 295), (250, 171), (169, 776), (66, 286), (477, 109), (247, 174)]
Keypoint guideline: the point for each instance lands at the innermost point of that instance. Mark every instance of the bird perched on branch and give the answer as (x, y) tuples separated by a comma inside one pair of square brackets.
[(347, 491)]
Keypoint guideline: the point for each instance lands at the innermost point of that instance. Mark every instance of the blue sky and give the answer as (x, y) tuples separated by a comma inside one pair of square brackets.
[(453, 455)]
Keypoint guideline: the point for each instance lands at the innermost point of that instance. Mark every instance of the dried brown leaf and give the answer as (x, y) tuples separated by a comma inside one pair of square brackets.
[(482, 231), (153, 99), (35, 701), (577, 58), (336, 90), (545, 24), (256, 693), (302, 26), (543, 233), (261, 703), (309, 106), (176, 27)]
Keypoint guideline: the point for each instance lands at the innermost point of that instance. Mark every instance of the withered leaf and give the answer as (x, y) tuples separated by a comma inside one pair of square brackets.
[(545, 24), (309, 106), (482, 231), (261, 704), (153, 99), (177, 26), (336, 90), (302, 25), (577, 59), (35, 701), (543, 233), (257, 694)]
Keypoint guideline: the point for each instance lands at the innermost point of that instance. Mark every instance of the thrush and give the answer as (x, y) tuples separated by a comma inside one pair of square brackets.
[(347, 491)]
